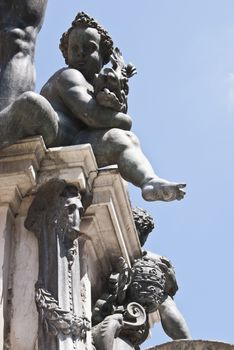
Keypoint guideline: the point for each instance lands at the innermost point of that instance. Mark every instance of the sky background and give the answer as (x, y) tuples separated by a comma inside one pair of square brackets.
[(182, 105)]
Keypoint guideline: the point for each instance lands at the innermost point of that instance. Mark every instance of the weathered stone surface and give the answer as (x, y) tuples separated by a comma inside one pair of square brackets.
[(23, 168), (194, 345), (6, 233), (24, 276), (21, 162), (121, 344), (75, 164), (19, 165), (107, 227), (110, 229)]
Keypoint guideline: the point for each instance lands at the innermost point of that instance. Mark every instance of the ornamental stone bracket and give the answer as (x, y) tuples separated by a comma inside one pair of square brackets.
[(19, 165), (74, 164), (27, 164), (24, 167)]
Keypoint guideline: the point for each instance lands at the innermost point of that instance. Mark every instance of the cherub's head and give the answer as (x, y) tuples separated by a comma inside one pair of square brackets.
[(144, 223), (86, 46)]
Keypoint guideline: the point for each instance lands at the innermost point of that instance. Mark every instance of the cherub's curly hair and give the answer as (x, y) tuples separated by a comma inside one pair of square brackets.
[(85, 21), (143, 221)]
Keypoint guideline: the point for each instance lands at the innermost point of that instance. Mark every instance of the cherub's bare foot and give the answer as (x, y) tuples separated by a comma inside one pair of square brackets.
[(162, 190)]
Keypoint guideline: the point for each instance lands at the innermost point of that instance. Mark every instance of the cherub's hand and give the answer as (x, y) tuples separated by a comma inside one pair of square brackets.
[(162, 190)]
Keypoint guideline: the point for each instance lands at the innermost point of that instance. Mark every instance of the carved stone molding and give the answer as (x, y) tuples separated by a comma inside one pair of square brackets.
[(74, 164), (28, 164), (20, 163), (59, 321), (10, 196)]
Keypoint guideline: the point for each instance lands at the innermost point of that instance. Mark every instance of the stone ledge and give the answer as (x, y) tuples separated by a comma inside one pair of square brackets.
[(19, 165), (194, 345), (27, 164), (76, 164)]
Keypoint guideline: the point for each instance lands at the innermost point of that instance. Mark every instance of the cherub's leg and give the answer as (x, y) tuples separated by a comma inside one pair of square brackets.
[(172, 320), (116, 146), (30, 114)]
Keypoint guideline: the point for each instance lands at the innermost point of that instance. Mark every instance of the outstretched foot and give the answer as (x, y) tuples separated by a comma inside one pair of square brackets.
[(162, 190)]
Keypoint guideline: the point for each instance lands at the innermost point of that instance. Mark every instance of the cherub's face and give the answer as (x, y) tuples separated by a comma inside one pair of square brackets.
[(84, 52)]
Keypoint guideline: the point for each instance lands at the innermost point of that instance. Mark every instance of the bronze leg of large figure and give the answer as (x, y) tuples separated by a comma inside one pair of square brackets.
[(22, 112), (20, 22)]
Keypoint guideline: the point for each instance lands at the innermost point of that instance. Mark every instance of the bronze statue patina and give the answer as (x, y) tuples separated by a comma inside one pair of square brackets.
[(23, 113), (88, 107), (144, 223), (132, 294), (20, 22)]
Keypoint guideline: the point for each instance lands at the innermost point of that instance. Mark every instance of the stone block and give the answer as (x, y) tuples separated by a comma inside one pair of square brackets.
[(194, 345)]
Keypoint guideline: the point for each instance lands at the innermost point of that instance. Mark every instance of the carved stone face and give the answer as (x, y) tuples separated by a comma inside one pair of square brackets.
[(147, 287), (146, 294), (84, 52), (66, 213), (73, 209)]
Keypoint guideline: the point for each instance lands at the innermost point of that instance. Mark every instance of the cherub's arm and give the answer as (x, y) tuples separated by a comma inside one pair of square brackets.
[(172, 320), (72, 89)]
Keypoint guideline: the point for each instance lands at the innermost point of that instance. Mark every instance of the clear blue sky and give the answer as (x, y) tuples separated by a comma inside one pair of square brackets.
[(182, 104)]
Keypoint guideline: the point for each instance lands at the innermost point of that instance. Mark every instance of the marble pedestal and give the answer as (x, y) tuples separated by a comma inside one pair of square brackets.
[(107, 228)]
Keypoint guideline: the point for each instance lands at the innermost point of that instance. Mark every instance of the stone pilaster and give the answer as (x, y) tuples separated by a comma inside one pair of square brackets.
[(18, 168)]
